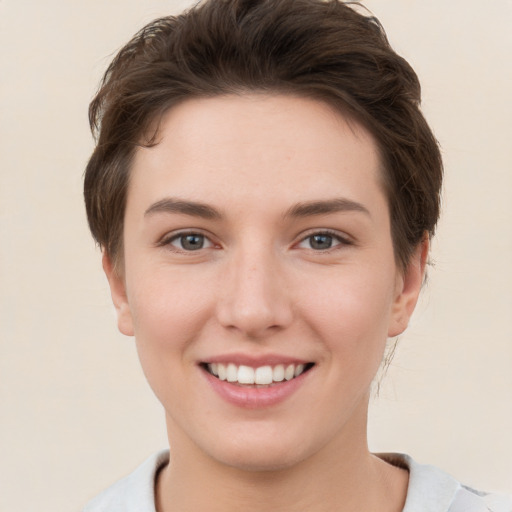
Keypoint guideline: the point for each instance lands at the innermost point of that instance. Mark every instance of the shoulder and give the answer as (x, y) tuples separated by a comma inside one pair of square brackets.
[(432, 490), (135, 492), (468, 499)]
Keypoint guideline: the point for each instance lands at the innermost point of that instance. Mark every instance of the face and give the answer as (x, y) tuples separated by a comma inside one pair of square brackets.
[(259, 278)]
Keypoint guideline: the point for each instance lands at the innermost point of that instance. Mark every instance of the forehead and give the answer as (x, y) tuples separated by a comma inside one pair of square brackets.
[(272, 148)]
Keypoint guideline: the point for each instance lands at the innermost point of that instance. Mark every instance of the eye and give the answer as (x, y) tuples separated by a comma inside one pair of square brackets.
[(323, 241), (189, 242)]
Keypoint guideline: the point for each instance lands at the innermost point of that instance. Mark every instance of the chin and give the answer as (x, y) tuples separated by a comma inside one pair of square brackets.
[(259, 459), (262, 453)]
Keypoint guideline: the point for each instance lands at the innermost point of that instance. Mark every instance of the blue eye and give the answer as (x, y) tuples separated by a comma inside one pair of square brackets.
[(190, 242), (322, 241)]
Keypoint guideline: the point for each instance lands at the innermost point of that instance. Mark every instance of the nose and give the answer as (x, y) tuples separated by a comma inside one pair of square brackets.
[(254, 297)]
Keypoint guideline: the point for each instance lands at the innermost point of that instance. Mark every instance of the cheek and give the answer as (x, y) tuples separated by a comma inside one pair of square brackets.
[(167, 319), (351, 314), (168, 313), (161, 297)]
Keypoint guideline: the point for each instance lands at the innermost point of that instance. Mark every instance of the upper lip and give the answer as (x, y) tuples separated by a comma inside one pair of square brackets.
[(255, 361)]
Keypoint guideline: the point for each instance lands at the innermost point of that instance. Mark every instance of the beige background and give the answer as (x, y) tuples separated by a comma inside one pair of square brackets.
[(76, 413)]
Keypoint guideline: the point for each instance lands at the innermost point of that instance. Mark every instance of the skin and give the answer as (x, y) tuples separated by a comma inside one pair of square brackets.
[(259, 286)]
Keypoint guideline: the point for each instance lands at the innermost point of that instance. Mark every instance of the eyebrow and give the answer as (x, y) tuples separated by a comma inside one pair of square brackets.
[(192, 208), (311, 208), (304, 209)]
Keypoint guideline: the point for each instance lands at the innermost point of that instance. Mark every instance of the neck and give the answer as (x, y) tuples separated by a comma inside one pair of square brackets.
[(343, 476)]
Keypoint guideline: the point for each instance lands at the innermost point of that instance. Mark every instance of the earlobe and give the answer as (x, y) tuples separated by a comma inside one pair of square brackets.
[(408, 289), (119, 297)]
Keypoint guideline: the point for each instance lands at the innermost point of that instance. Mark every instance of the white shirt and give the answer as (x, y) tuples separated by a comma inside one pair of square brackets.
[(429, 490)]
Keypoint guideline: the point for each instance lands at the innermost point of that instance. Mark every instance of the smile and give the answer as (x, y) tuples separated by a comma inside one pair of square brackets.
[(260, 376)]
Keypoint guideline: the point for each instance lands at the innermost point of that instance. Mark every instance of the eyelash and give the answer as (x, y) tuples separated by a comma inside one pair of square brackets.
[(335, 236), (168, 241), (342, 240)]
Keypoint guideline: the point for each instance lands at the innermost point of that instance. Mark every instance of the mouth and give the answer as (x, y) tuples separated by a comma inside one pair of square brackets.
[(261, 376)]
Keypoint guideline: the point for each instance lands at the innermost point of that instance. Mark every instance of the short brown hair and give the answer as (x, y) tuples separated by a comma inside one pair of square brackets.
[(315, 48)]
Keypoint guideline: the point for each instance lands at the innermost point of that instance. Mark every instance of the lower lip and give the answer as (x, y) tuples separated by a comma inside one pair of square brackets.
[(253, 397)]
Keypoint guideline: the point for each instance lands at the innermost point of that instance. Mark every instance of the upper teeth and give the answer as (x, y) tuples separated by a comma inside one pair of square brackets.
[(260, 375)]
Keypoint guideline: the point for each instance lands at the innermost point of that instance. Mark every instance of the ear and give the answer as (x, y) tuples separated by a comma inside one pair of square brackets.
[(119, 297), (408, 289)]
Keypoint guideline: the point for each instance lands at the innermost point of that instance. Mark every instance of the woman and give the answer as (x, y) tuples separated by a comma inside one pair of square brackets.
[(264, 189)]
